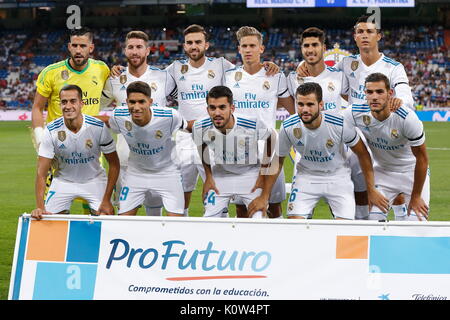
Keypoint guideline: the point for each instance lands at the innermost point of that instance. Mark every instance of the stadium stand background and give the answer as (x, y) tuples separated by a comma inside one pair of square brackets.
[(35, 37)]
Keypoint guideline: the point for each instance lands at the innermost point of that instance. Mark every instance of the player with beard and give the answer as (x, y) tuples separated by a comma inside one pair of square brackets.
[(162, 85), (320, 138), (356, 68), (88, 74), (195, 77), (397, 141), (233, 142)]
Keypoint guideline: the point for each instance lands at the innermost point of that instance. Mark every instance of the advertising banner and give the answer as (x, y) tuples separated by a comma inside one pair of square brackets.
[(82, 257), (328, 3)]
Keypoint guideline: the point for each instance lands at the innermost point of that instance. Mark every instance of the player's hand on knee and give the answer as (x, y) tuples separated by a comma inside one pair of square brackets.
[(258, 204), (419, 206), (106, 208), (38, 213), (209, 184), (271, 68), (302, 70), (394, 103), (116, 71), (377, 199)]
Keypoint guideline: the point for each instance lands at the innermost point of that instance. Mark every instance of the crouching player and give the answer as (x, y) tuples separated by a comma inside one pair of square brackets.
[(148, 131), (322, 171), (233, 142), (75, 141)]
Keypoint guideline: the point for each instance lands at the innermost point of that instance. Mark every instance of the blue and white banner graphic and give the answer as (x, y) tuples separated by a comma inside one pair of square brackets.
[(81, 257), (328, 3)]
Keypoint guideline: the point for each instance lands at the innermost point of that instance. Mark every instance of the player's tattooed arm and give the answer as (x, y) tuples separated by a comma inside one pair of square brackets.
[(209, 183)]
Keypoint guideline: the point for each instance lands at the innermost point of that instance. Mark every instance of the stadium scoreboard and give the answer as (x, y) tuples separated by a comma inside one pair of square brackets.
[(328, 3)]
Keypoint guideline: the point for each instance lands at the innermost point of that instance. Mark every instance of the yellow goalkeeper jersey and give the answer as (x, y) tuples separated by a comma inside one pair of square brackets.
[(91, 80)]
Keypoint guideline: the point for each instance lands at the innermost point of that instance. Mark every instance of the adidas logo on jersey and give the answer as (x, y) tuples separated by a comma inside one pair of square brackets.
[(352, 75), (182, 78), (62, 146), (300, 144), (236, 85), (123, 88)]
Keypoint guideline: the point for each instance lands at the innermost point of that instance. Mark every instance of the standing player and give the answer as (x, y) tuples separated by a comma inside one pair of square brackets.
[(75, 141), (148, 131), (89, 74), (194, 78), (257, 95), (322, 171), (233, 141), (312, 43), (397, 141), (161, 83), (356, 68)]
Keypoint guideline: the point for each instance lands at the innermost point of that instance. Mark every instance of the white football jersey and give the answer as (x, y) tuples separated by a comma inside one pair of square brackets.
[(77, 154), (330, 80), (193, 84), (151, 146), (356, 73), (160, 81), (256, 95), (322, 150), (235, 152), (390, 140)]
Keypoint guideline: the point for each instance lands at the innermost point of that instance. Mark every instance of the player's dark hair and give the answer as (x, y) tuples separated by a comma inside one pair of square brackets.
[(378, 77), (83, 31), (136, 34), (313, 32), (219, 92), (195, 28), (366, 19), (308, 88), (70, 87), (139, 87)]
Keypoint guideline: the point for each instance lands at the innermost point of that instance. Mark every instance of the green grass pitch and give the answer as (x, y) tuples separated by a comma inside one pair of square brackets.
[(18, 168)]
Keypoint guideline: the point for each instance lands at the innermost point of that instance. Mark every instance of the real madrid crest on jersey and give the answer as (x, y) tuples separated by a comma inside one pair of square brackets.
[(331, 86), (394, 133), (242, 142), (65, 74), (89, 143), (158, 134), (211, 74), (128, 125), (266, 85), (297, 133), (123, 79), (300, 80), (329, 143), (354, 65), (61, 135), (290, 206), (154, 86), (184, 68), (366, 120)]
